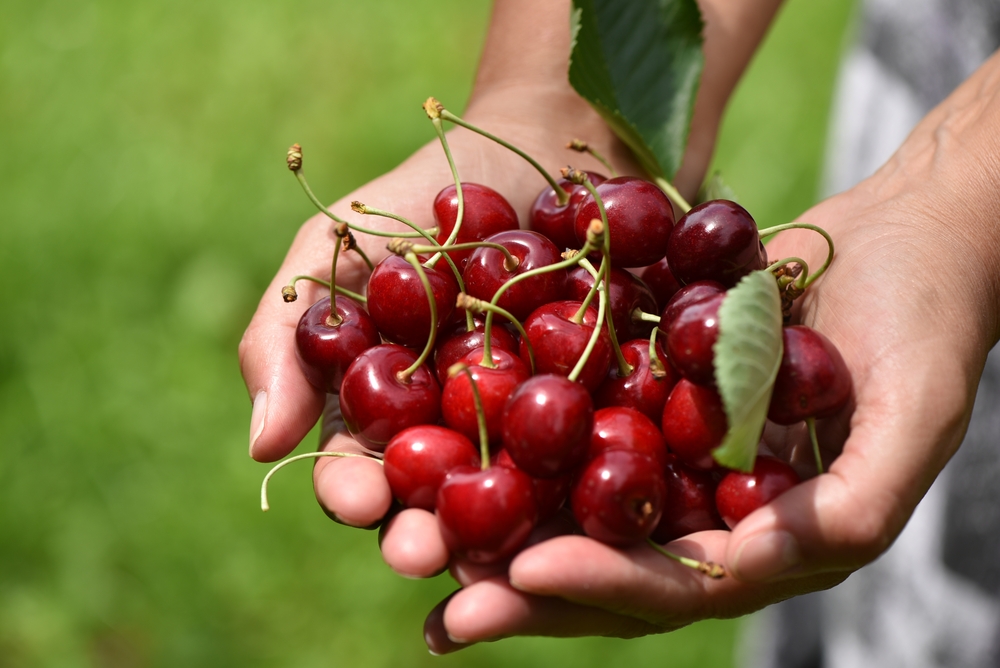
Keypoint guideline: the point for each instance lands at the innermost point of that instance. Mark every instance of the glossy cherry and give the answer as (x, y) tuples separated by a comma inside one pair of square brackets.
[(691, 338), (620, 428), (698, 291), (640, 218), (690, 505), (694, 423), (558, 222), (495, 385), (739, 494), (458, 341), (619, 497), (813, 380), (559, 342), (626, 293), (660, 281), (486, 213), (376, 403), (550, 493), (324, 349), (642, 389), (397, 300), (716, 240), (417, 460), (547, 425)]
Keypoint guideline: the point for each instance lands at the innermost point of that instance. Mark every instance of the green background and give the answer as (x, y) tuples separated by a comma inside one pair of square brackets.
[(144, 205)]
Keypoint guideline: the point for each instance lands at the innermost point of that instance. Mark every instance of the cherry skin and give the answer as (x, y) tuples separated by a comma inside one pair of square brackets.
[(691, 338), (550, 493), (558, 222), (696, 292), (486, 213), (377, 404), (813, 380), (547, 425), (660, 281), (640, 218), (397, 300), (417, 460), (459, 341), (641, 389), (690, 505), (485, 272), (559, 342), (620, 428), (716, 240), (739, 494), (626, 293), (495, 385), (486, 515), (326, 350), (619, 497), (694, 423)]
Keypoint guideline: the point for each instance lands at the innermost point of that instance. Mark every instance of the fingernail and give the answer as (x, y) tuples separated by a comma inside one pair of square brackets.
[(257, 418), (766, 556)]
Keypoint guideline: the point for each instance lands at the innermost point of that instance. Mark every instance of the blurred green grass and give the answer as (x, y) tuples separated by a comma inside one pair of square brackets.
[(145, 207)]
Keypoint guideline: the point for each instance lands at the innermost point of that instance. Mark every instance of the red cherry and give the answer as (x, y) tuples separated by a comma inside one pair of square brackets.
[(485, 516), (459, 341), (813, 380), (626, 293), (660, 281), (716, 240), (486, 213), (325, 350), (557, 222), (619, 497), (418, 459), (559, 342), (620, 428), (640, 218), (689, 294), (739, 494), (377, 404), (485, 272), (690, 505), (550, 493), (397, 300), (694, 423), (640, 389), (495, 385), (691, 338), (547, 425)]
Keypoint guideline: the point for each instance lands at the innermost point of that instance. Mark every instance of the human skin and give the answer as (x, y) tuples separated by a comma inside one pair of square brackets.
[(911, 302)]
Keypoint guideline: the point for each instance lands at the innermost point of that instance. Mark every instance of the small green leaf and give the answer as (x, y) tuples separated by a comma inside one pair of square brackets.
[(638, 63), (747, 357), (715, 188)]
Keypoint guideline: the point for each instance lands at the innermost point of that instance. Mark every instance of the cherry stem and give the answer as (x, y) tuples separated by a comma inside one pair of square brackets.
[(602, 305), (645, 317), (656, 367), (509, 263), (326, 284), (561, 195), (484, 437), (805, 226), (362, 208), (580, 312), (334, 319), (583, 147), (470, 303), (624, 368), (709, 568), (672, 193), (460, 216), (309, 455), (350, 243), (404, 376), (801, 280), (811, 423)]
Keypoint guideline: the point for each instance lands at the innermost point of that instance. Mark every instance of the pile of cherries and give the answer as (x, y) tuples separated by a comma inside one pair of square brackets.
[(577, 354)]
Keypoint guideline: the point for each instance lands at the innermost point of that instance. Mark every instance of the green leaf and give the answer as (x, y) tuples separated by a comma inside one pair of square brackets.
[(638, 63), (715, 188), (747, 357)]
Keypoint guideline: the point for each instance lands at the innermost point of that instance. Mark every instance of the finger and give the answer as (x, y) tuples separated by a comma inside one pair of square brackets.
[(351, 489), (412, 544), (491, 609)]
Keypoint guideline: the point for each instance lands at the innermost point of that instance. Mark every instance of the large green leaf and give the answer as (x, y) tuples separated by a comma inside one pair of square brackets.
[(747, 357), (638, 63)]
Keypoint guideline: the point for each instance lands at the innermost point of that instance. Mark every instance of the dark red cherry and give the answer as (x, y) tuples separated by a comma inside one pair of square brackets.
[(547, 425), (559, 342), (813, 380), (717, 241), (495, 385), (620, 428), (485, 272), (690, 505), (640, 218), (739, 494), (641, 389), (557, 222), (660, 281), (691, 338), (486, 213), (626, 293), (694, 423), (687, 295), (458, 341), (417, 460), (550, 493), (326, 350), (619, 497), (485, 516), (397, 300), (377, 404)]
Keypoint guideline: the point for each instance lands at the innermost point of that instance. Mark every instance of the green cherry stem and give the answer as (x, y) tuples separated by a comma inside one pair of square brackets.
[(509, 263), (583, 147), (805, 226), (334, 319), (801, 281), (364, 209), (645, 317), (811, 423), (265, 506), (656, 367), (484, 438), (404, 376), (432, 108), (351, 244), (602, 304), (672, 193), (470, 303), (624, 368), (290, 295), (709, 568)]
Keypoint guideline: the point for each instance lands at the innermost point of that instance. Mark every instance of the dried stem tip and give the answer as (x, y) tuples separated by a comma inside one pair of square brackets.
[(433, 108), (358, 207), (578, 145), (594, 232), (294, 158), (399, 246), (348, 242), (340, 229), (469, 303), (289, 294), (712, 570), (574, 175), (569, 253)]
